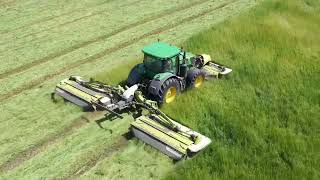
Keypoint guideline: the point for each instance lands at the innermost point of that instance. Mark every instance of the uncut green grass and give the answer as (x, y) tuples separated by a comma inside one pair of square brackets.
[(264, 117)]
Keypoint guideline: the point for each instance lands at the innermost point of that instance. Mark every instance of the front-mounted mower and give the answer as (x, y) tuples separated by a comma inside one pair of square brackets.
[(167, 70)]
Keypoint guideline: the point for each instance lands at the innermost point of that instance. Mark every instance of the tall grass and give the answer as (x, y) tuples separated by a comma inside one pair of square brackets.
[(264, 117)]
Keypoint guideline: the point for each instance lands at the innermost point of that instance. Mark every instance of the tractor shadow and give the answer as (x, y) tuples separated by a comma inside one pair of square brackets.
[(134, 113), (128, 135), (111, 117)]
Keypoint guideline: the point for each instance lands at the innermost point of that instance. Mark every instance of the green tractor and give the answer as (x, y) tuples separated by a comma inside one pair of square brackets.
[(167, 70)]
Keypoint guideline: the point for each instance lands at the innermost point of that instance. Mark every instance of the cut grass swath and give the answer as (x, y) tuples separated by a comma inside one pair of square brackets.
[(55, 55), (29, 153)]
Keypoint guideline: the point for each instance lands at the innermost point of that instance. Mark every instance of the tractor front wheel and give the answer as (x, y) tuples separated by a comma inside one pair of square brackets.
[(169, 90), (195, 78)]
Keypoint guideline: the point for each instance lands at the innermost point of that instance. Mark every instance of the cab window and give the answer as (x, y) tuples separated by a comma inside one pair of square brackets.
[(153, 64)]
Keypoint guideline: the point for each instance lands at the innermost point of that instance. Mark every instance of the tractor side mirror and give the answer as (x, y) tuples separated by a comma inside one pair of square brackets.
[(166, 64)]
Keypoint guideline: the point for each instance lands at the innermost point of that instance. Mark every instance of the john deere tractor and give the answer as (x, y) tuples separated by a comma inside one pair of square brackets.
[(167, 70)]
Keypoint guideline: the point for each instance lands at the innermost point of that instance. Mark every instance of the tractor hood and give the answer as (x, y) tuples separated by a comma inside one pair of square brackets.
[(161, 50)]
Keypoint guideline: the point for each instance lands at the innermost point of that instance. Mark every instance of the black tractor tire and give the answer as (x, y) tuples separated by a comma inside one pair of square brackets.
[(134, 76), (192, 76), (169, 83)]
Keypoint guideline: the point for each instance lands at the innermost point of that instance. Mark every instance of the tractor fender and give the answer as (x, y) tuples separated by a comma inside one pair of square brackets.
[(157, 82)]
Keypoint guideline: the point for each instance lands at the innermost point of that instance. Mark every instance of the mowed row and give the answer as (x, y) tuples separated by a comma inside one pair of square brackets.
[(39, 50)]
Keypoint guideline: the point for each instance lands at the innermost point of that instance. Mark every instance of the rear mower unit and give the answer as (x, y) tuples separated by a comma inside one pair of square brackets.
[(154, 128)]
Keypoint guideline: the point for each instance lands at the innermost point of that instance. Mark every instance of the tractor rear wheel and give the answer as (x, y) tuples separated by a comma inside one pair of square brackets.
[(195, 78), (169, 90)]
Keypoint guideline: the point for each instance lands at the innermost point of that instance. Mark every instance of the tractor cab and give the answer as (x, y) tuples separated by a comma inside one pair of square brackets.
[(161, 57)]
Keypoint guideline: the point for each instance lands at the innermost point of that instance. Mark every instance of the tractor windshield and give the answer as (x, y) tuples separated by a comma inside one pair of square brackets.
[(154, 64)]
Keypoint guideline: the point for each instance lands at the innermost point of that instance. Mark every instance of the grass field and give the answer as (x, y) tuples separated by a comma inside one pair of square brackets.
[(263, 118), (42, 42)]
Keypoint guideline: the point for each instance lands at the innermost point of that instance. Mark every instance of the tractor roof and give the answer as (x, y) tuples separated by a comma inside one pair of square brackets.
[(161, 50)]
